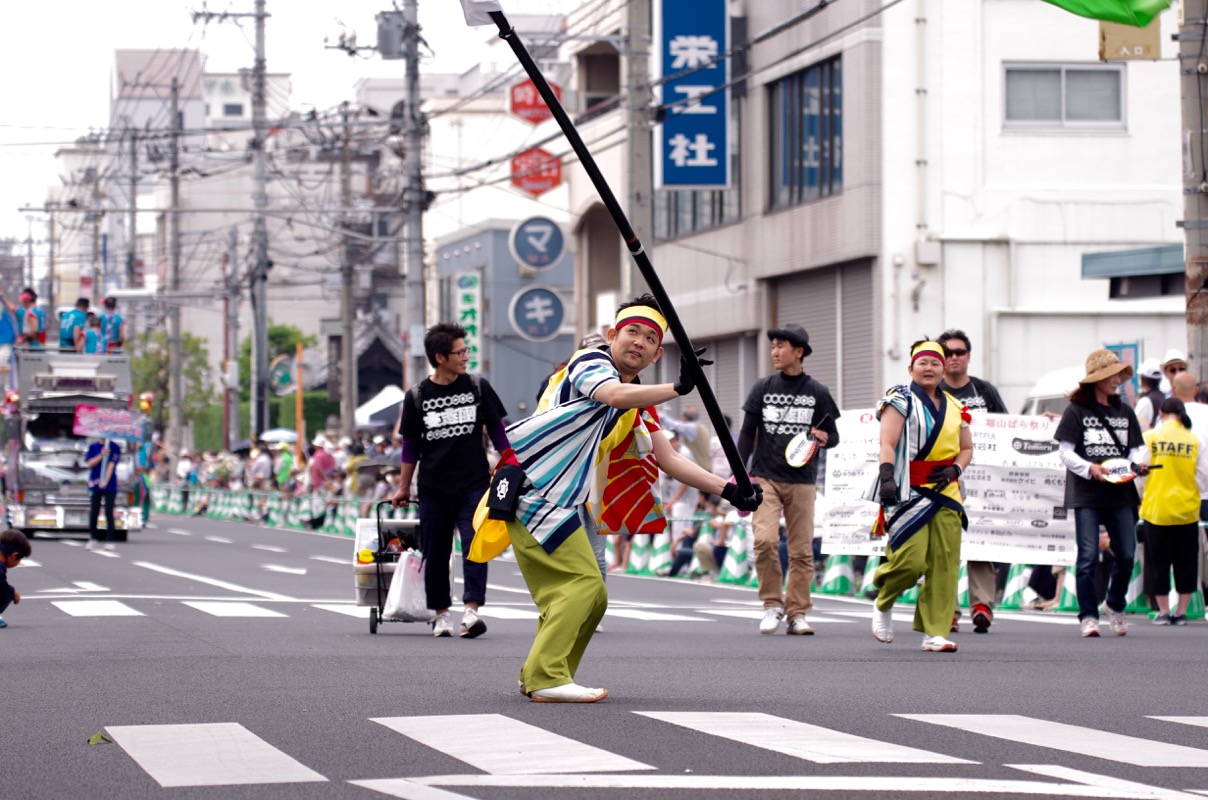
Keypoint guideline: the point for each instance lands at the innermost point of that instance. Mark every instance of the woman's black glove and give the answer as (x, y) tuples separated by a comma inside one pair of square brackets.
[(748, 502), (686, 382), (942, 476), (889, 487)]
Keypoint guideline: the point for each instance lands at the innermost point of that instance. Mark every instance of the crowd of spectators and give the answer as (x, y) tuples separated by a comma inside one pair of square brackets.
[(327, 471)]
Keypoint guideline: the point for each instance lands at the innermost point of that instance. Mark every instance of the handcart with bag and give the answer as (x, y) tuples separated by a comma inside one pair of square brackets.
[(388, 570)]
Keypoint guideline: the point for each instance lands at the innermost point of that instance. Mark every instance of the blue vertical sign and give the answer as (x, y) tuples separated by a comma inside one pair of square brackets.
[(692, 148)]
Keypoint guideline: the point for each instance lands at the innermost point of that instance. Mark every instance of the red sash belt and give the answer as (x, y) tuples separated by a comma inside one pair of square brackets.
[(921, 470)]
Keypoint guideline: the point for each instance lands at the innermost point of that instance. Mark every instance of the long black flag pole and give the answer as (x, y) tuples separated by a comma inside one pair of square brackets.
[(688, 353)]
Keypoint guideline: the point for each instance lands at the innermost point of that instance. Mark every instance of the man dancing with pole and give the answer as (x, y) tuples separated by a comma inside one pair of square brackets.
[(599, 445)]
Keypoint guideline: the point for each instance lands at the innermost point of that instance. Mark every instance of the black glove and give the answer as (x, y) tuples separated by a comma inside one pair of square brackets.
[(748, 502), (686, 382), (889, 487), (942, 476)]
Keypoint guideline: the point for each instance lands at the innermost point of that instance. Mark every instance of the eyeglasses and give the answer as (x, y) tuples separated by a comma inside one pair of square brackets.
[(462, 353), (952, 351)]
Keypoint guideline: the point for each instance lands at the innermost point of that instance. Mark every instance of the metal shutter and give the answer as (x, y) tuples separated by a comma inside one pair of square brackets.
[(860, 387), (810, 300)]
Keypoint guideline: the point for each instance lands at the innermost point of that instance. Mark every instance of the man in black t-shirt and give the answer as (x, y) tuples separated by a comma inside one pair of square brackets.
[(977, 395), (779, 407), (442, 425)]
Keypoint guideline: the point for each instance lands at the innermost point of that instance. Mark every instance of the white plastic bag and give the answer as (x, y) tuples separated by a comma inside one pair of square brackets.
[(407, 601)]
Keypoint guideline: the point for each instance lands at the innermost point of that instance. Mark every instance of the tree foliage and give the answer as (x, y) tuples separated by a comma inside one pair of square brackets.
[(149, 368), (282, 341)]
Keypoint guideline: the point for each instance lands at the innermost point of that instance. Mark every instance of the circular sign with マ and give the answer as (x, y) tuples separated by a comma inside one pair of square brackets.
[(537, 313), (537, 242)]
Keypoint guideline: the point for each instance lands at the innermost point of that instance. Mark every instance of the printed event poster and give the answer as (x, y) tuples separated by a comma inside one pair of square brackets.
[(1014, 491), (109, 423)]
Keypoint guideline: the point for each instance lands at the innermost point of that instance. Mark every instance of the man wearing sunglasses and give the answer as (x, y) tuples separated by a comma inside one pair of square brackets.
[(13, 548), (977, 395)]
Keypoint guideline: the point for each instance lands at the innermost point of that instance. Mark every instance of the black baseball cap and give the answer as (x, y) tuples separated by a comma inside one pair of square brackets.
[(794, 334)]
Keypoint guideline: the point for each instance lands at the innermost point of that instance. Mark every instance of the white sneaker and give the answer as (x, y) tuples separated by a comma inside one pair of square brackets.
[(92, 544), (938, 644), (799, 627), (110, 546), (568, 693), (1115, 621), (471, 625), (1090, 627), (882, 625), (442, 625), (771, 620)]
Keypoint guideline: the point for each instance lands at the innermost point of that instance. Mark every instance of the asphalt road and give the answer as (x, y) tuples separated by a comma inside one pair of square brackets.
[(303, 702)]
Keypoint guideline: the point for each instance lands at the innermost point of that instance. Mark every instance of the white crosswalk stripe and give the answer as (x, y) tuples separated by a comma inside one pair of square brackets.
[(216, 754), (232, 609), (1200, 722), (501, 745), (96, 608), (651, 616), (799, 739), (1071, 739)]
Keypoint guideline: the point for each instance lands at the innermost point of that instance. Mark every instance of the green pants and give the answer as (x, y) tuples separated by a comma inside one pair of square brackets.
[(569, 592), (933, 553)]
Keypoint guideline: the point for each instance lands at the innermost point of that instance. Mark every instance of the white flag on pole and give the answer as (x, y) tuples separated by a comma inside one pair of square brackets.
[(477, 11)]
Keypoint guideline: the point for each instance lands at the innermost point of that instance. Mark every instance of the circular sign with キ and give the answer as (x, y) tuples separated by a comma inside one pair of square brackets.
[(537, 313)]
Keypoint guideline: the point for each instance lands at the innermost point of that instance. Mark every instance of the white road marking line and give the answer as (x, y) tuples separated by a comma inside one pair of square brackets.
[(1200, 722), (1085, 784), (1071, 739), (219, 754), (271, 548), (29, 562), (651, 616), (343, 562), (71, 542), (734, 612), (508, 589), (503, 746), (799, 739), (95, 608), (728, 601), (179, 531), (285, 570), (505, 612), (88, 586), (220, 540), (106, 553), (361, 612), (235, 609), (211, 581), (406, 790)]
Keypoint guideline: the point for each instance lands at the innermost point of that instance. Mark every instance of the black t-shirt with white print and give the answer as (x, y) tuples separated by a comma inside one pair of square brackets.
[(785, 406), (452, 456), (1084, 427), (977, 395)]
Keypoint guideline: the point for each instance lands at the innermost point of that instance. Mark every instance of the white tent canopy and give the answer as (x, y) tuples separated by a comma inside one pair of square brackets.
[(390, 396)]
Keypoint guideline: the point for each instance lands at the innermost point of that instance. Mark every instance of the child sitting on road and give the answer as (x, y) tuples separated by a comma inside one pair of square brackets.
[(13, 547)]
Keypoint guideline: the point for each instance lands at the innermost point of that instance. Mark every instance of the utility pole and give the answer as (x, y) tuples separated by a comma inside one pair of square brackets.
[(28, 272), (231, 365), (132, 249), (258, 270), (348, 366), (1193, 74), (260, 265), (176, 392), (414, 194), (641, 159)]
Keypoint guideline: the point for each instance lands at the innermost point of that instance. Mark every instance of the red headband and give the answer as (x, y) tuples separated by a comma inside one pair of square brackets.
[(927, 349)]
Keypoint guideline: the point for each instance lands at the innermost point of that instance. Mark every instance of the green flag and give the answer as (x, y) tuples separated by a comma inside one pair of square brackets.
[(1127, 12)]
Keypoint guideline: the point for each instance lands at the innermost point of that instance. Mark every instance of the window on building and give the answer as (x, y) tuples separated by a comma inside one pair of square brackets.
[(807, 134), (232, 109), (1056, 96)]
